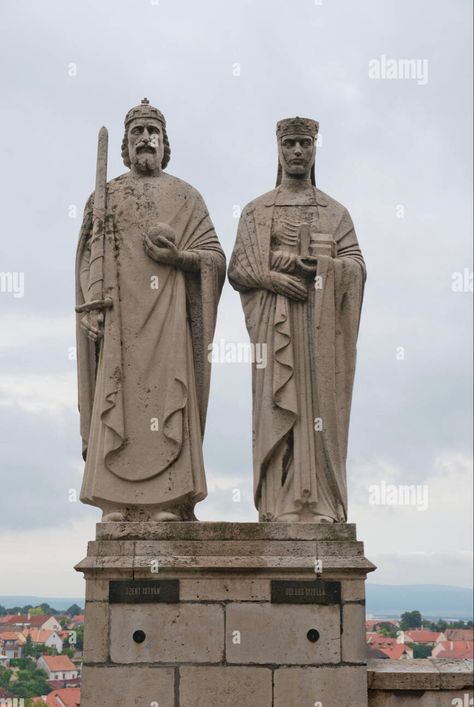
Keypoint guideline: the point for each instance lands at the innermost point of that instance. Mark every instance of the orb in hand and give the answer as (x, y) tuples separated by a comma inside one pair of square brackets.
[(162, 229)]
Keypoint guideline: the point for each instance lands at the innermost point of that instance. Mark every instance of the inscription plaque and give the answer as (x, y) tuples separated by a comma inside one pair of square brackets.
[(144, 591), (305, 592)]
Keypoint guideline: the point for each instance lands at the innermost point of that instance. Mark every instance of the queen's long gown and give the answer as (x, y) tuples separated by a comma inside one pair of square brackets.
[(301, 400)]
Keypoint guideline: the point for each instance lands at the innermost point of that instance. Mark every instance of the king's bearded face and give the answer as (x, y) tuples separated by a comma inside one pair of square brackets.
[(145, 145), (297, 154)]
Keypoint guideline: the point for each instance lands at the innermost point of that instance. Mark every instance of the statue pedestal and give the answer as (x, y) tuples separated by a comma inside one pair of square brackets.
[(225, 615)]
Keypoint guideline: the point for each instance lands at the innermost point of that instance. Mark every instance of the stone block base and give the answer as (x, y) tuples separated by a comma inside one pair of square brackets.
[(224, 640)]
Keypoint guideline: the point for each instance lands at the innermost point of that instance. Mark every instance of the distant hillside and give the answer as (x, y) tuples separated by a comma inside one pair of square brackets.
[(59, 603), (433, 600)]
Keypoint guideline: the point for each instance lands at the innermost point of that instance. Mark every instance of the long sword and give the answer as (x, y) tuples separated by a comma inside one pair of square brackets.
[(95, 298)]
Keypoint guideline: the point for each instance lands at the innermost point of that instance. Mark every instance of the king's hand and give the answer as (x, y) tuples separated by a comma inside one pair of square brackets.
[(160, 245), (92, 324)]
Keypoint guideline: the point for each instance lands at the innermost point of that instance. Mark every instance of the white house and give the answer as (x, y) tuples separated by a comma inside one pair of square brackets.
[(44, 623), (58, 667), (50, 639), (11, 644)]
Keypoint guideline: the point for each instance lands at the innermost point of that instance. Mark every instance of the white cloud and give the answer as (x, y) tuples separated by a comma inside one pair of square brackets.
[(412, 546), (23, 331), (41, 562), (39, 394), (229, 499)]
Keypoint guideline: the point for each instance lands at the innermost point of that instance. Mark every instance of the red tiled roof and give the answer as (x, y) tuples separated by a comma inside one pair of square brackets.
[(394, 652), (57, 663), (38, 635), (457, 650), (376, 640), (10, 636), (69, 696), (63, 684), (7, 618), (15, 619), (456, 655), (422, 636), (459, 634), (39, 620)]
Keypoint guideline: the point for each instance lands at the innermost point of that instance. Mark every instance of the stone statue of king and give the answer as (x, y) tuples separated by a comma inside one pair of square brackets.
[(300, 273), (148, 247)]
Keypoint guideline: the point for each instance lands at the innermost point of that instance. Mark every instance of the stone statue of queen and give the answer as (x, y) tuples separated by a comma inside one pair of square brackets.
[(300, 273)]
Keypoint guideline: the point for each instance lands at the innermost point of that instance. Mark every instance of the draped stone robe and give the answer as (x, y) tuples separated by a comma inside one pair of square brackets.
[(302, 399), (143, 391)]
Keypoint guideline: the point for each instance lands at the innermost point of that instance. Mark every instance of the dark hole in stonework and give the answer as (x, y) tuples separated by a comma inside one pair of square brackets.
[(312, 635), (139, 636)]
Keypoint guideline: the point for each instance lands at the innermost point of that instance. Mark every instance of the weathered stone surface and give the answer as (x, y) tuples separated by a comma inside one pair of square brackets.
[(353, 590), (354, 646), (97, 589), (223, 547), (321, 687), (224, 584), (277, 634), (403, 675), (225, 687), (96, 633), (454, 674), (232, 589), (420, 683), (237, 548), (431, 674), (175, 633), (225, 531), (127, 687)]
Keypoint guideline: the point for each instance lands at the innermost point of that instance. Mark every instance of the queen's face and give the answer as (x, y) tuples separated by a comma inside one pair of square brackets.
[(297, 153), (145, 144)]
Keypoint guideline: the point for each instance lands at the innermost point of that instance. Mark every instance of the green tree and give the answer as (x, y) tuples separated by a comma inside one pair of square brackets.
[(30, 683), (5, 677), (80, 638), (388, 630), (28, 647), (410, 619), (23, 663), (74, 610), (47, 609), (421, 650)]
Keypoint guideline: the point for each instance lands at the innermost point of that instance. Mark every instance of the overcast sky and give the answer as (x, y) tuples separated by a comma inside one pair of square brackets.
[(396, 152)]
